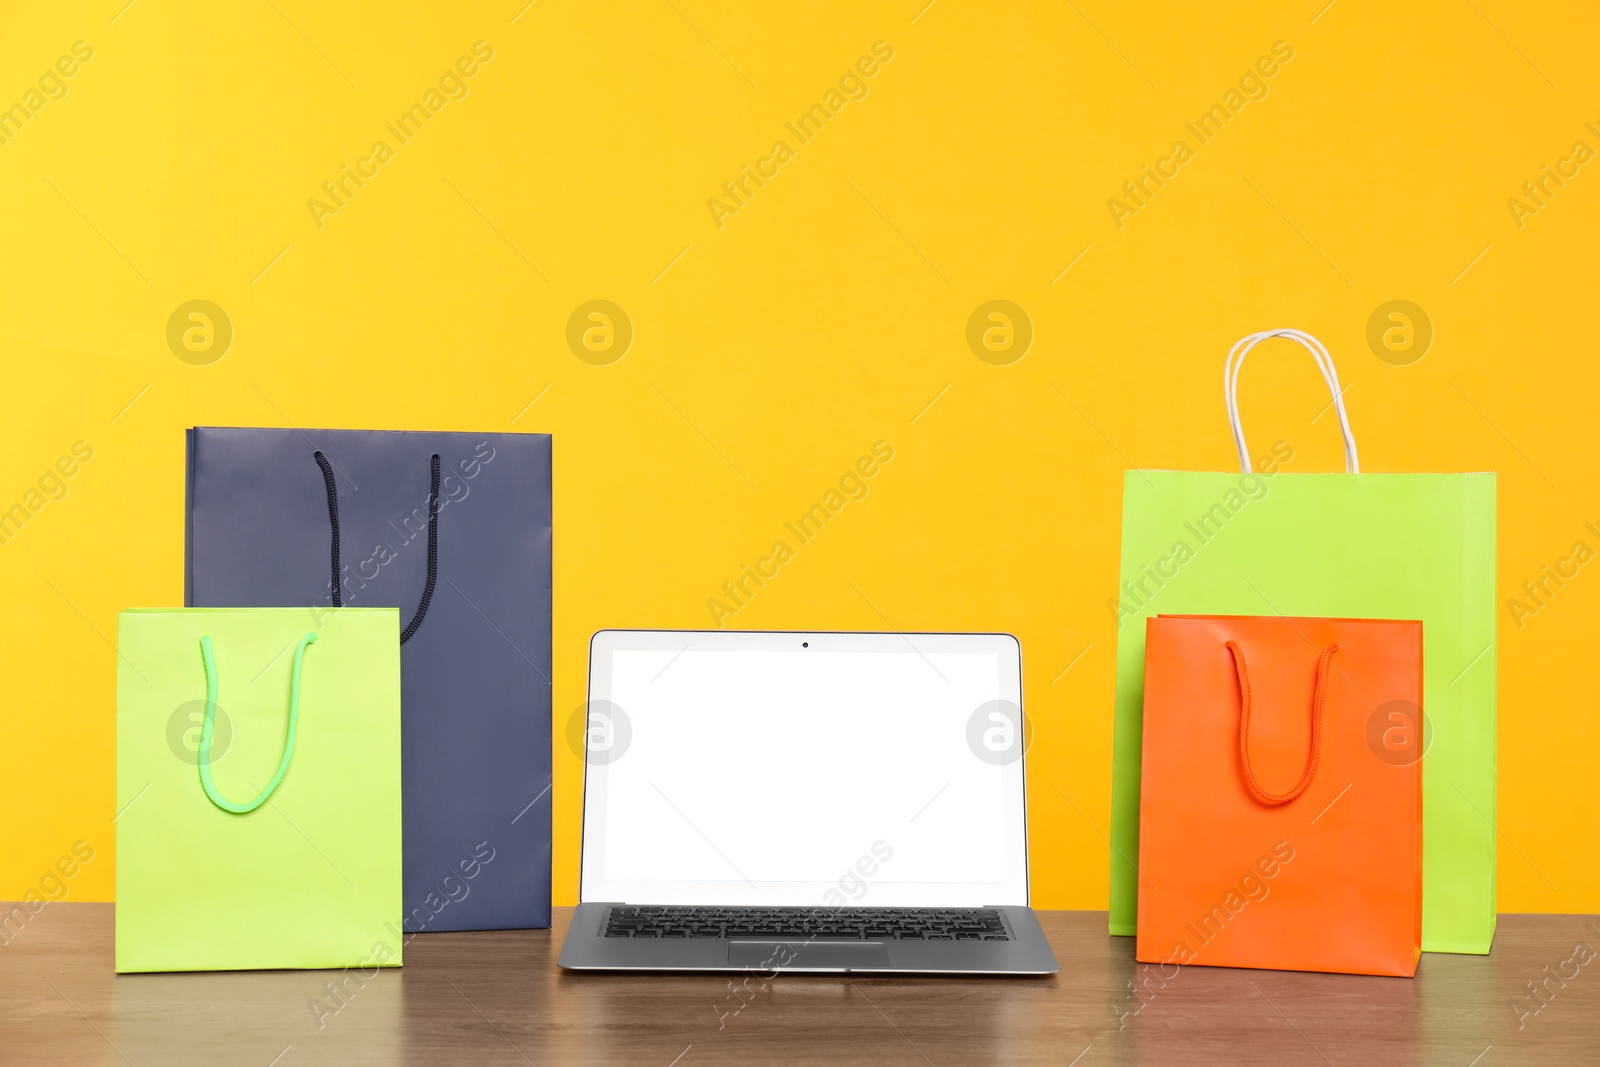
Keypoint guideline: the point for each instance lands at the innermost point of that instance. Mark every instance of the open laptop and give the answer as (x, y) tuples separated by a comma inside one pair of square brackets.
[(804, 802)]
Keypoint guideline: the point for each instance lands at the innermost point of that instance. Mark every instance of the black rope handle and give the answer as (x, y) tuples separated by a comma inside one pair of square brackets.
[(433, 555), (333, 520), (433, 540)]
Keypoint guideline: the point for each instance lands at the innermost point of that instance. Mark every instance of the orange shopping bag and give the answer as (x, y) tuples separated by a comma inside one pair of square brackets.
[(1280, 820)]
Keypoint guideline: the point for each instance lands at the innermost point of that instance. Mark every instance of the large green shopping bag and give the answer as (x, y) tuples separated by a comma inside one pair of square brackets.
[(1352, 545), (258, 789)]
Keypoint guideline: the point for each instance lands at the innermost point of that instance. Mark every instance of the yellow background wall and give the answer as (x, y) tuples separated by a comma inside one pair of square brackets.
[(828, 313)]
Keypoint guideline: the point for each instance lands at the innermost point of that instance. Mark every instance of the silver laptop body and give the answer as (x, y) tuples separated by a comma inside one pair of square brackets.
[(833, 802)]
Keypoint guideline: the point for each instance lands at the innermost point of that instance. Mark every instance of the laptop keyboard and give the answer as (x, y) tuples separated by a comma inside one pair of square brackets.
[(806, 924)]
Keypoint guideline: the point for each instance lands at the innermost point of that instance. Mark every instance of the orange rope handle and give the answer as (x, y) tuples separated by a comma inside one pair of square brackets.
[(1318, 700)]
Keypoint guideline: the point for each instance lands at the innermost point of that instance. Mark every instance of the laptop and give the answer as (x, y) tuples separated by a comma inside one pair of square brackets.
[(824, 802)]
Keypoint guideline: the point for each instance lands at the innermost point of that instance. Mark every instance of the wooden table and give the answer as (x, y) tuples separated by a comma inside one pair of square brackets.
[(498, 998)]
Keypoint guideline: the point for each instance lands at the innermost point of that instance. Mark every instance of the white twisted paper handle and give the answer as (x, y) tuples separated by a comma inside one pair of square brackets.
[(1230, 390)]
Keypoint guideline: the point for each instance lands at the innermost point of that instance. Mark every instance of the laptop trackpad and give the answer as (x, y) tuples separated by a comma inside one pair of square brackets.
[(765, 955)]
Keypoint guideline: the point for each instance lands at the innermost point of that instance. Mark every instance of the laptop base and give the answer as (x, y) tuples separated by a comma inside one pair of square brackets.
[(587, 948)]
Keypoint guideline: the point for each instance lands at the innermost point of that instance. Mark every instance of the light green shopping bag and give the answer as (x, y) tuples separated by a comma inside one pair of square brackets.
[(258, 789), (1385, 546)]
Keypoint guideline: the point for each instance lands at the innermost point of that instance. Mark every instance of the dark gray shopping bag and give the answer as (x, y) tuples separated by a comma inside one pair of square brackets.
[(454, 530)]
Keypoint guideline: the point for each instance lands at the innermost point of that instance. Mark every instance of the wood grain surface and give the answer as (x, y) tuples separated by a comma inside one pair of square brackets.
[(498, 998)]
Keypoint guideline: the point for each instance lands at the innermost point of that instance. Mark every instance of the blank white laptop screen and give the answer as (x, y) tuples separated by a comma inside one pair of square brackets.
[(871, 770)]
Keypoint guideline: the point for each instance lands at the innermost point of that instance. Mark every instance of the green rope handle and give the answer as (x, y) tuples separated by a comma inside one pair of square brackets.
[(210, 722)]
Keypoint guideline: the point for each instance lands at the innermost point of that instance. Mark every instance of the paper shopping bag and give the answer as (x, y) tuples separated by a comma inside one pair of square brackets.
[(454, 530), (258, 789), (1352, 545), (1275, 830)]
